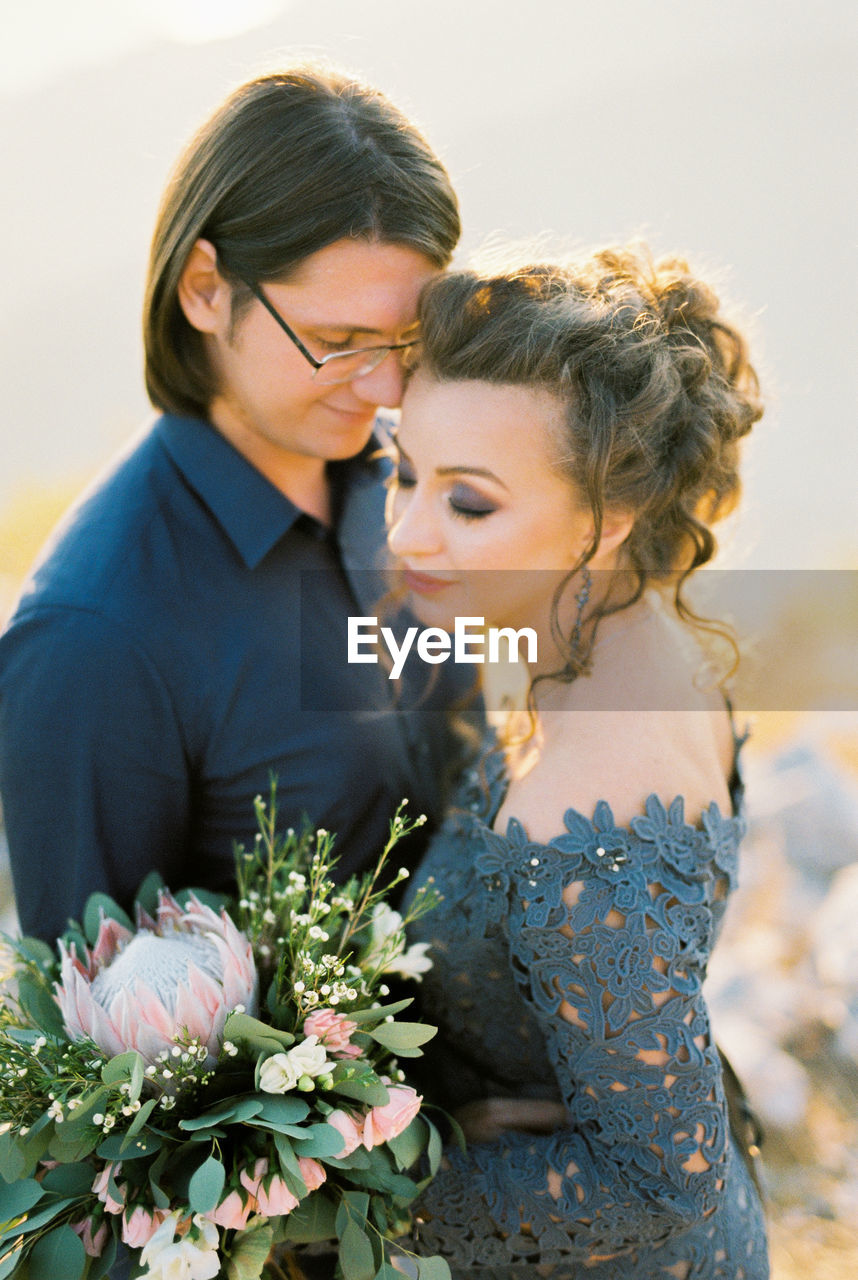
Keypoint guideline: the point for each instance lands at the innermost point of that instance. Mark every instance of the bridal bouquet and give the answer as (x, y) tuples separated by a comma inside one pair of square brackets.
[(216, 1079)]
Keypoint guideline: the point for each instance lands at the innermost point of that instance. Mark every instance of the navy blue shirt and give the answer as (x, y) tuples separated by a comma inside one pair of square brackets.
[(183, 638)]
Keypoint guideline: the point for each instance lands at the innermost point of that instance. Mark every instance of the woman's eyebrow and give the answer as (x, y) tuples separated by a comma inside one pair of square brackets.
[(472, 471)]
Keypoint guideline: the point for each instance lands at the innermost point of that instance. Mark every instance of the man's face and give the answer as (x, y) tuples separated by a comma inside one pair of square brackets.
[(353, 293)]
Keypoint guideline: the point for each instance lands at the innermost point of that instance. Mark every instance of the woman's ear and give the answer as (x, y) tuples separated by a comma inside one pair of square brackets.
[(204, 295), (616, 527)]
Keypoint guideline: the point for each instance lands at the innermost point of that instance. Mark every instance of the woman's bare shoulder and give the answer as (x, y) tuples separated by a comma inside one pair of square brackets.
[(621, 757)]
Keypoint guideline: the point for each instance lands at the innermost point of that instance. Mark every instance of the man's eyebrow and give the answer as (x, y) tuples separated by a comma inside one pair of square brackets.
[(343, 326)]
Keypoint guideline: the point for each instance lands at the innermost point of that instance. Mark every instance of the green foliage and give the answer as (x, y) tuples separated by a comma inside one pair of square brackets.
[(247, 1256), (177, 1138), (98, 907), (59, 1254)]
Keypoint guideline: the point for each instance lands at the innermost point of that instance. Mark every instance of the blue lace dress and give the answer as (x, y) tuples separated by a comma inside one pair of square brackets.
[(625, 954)]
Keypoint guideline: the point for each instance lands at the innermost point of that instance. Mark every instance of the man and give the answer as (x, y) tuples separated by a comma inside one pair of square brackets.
[(183, 637)]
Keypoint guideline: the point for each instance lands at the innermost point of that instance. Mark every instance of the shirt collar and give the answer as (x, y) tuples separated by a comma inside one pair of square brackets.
[(252, 512)]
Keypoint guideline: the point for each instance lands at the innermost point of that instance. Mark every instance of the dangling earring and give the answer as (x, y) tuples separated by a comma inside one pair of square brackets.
[(581, 600)]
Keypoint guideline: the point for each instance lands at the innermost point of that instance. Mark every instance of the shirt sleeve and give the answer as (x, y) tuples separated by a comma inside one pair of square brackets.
[(608, 934), (93, 772)]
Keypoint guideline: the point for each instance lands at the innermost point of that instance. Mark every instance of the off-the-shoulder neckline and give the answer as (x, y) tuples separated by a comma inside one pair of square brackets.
[(498, 786)]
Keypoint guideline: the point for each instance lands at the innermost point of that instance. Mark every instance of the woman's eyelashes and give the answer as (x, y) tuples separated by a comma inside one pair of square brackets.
[(465, 503), (468, 504)]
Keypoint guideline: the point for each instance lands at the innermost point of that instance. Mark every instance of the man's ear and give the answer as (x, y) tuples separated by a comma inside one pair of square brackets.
[(204, 295)]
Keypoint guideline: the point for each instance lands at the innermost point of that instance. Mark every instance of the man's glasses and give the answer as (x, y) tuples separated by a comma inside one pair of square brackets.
[(339, 366)]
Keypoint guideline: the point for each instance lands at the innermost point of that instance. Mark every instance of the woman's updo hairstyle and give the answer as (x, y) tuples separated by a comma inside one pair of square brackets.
[(658, 387)]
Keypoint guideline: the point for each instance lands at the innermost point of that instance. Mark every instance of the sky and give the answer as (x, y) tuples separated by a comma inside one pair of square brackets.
[(724, 131)]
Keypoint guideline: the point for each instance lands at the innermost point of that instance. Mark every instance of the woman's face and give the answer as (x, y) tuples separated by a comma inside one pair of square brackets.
[(479, 517)]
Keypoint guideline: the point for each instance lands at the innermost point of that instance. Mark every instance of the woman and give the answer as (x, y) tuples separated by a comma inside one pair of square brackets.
[(567, 440), (183, 637)]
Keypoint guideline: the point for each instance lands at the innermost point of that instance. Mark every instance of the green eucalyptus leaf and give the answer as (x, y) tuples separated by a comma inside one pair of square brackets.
[(37, 951), (19, 1197), (59, 1254), (318, 1140), (206, 1186), (360, 1016), (141, 1117), (433, 1269), (122, 1068), (69, 1179), (97, 903), (9, 1262), (232, 1111), (434, 1148), (19, 1157), (248, 1253), (400, 1037), (141, 1145), (313, 1220), (290, 1170), (409, 1145), (282, 1109), (357, 1260), (147, 894), (458, 1134), (38, 1003), (34, 1221)]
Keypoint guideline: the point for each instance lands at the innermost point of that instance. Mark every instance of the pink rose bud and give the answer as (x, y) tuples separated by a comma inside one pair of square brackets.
[(233, 1212), (312, 1172), (140, 1225), (334, 1031), (351, 1134), (278, 1199), (252, 1181), (93, 1243), (386, 1122), (99, 1186)]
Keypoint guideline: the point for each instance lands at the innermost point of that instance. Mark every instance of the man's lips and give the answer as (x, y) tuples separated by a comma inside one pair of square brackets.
[(424, 584)]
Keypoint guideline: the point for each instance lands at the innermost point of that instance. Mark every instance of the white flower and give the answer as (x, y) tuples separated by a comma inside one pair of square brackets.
[(413, 963), (386, 925), (193, 1256), (282, 1071)]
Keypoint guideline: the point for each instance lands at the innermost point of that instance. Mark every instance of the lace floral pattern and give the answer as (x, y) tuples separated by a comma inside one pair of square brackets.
[(572, 971)]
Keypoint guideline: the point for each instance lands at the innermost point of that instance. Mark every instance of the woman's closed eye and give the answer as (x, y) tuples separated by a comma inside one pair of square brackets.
[(467, 504)]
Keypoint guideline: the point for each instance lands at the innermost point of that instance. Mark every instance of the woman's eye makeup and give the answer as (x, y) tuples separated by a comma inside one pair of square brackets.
[(468, 504), (463, 501)]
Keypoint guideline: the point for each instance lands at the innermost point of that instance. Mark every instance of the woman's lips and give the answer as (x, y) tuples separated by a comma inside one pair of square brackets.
[(424, 584)]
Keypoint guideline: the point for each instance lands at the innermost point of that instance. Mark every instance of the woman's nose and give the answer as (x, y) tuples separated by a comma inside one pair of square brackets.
[(412, 530)]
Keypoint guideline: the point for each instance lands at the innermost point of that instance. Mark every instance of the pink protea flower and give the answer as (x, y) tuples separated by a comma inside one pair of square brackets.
[(178, 975), (333, 1030)]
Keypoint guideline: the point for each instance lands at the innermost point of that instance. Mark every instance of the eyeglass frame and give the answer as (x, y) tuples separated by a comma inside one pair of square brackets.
[(317, 364)]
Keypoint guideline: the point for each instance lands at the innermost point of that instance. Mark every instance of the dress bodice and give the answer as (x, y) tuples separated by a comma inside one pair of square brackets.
[(572, 970)]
